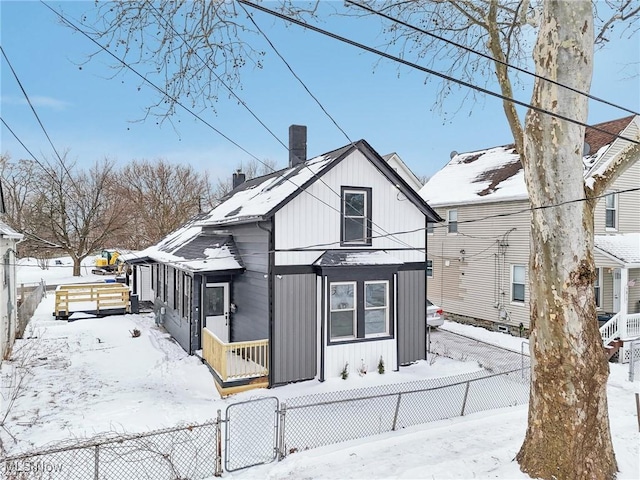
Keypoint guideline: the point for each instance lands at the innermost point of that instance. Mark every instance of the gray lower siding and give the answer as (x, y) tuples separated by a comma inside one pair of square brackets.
[(250, 294), (411, 316), (179, 328), (294, 335)]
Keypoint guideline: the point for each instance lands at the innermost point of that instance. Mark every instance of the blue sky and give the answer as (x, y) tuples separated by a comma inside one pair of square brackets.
[(93, 114)]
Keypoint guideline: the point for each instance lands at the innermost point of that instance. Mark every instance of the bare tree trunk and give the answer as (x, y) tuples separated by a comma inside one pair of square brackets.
[(77, 262), (568, 434)]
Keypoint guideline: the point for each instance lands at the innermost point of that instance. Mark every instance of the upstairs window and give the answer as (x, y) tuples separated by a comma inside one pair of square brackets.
[(452, 221), (430, 268), (517, 283), (611, 211), (356, 216)]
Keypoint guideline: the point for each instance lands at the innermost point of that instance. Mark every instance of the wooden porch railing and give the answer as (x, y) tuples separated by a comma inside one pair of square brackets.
[(99, 297), (235, 360)]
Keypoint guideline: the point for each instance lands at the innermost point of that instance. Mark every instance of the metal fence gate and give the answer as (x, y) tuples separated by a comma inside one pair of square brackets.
[(251, 433)]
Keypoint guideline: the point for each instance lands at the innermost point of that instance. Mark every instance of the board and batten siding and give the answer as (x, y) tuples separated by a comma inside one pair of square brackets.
[(355, 354), (294, 332), (306, 221), (628, 204), (411, 332), (472, 269), (250, 289)]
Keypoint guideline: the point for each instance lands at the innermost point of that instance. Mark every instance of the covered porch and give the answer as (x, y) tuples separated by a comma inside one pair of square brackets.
[(236, 366), (618, 288)]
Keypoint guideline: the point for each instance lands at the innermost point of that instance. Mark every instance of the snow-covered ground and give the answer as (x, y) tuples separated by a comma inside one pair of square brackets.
[(58, 271), (90, 376)]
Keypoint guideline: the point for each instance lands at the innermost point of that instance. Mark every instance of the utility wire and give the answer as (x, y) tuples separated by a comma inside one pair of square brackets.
[(429, 71), (484, 55), (26, 96)]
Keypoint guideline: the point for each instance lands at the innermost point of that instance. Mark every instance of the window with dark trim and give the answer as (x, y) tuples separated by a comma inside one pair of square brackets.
[(430, 268), (356, 216), (342, 305), (430, 228), (360, 310)]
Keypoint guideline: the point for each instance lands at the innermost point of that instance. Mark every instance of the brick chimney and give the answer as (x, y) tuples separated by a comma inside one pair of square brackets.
[(297, 145), (238, 178)]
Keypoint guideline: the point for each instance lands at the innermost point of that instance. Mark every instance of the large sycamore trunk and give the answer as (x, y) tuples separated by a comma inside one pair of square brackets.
[(568, 433)]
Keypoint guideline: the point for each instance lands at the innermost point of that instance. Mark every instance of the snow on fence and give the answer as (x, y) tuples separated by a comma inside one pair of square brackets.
[(28, 304), (189, 451)]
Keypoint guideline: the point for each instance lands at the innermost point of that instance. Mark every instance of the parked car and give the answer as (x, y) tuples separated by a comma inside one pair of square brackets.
[(434, 315)]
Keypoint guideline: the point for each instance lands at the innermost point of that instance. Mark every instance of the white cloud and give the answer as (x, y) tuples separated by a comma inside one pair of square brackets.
[(37, 101)]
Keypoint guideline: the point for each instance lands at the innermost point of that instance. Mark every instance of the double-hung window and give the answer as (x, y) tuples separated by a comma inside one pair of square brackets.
[(360, 310), (611, 211), (452, 221), (356, 216), (343, 310), (429, 268), (376, 308), (517, 283)]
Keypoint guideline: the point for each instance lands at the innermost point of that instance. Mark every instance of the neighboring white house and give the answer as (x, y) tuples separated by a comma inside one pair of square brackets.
[(478, 260), (8, 300), (395, 162)]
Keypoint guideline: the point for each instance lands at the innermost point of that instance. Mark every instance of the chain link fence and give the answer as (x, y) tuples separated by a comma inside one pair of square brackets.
[(261, 430), (186, 452), (28, 305)]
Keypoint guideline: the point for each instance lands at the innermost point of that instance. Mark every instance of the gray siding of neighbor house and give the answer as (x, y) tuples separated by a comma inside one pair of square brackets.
[(411, 332), (250, 290), (295, 331)]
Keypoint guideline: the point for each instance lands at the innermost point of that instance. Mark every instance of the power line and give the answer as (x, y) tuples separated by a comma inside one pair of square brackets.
[(430, 71), (484, 55)]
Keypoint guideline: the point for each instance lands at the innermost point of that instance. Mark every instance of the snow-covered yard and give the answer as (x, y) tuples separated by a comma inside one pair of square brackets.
[(91, 376)]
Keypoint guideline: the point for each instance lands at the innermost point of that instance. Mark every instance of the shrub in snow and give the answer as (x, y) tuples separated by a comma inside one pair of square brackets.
[(344, 374), (135, 333)]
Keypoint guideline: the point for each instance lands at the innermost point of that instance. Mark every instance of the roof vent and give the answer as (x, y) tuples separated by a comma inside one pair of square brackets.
[(238, 178), (453, 154), (297, 145)]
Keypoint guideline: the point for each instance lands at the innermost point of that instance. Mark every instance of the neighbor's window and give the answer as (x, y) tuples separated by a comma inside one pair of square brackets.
[(429, 228), (597, 287), (611, 211), (376, 308), (452, 221), (343, 310), (356, 216), (430, 268), (517, 283)]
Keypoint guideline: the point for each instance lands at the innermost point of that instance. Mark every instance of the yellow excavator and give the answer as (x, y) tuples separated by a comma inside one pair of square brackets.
[(108, 263)]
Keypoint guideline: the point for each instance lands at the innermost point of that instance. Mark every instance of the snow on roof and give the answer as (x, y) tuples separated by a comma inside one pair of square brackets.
[(256, 198), (191, 248), (351, 258), (625, 247), (8, 232), (496, 174)]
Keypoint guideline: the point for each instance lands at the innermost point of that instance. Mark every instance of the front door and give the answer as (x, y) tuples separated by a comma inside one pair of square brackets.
[(616, 290), (216, 309)]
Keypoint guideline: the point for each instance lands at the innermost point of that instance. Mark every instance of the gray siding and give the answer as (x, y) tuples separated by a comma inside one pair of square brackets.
[(634, 291), (250, 290), (179, 328), (411, 316), (294, 336)]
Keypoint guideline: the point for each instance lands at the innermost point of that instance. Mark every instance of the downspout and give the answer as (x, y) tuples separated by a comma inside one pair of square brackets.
[(271, 261)]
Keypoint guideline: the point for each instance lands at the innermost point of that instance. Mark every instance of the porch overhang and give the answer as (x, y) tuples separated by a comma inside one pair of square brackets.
[(622, 249)]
